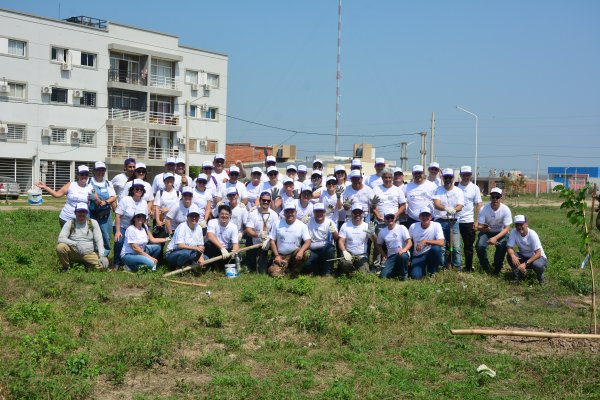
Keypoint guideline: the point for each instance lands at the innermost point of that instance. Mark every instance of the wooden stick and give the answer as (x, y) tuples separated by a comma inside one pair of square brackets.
[(497, 332), (592, 210), (589, 252), (209, 261), (186, 283)]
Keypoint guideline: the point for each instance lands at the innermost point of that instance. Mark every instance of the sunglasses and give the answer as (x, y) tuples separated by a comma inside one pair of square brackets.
[(355, 212), (138, 189), (495, 197), (140, 171), (272, 174), (389, 217), (202, 182), (265, 200), (84, 174)]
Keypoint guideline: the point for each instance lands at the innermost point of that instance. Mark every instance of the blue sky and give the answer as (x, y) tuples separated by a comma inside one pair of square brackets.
[(528, 69)]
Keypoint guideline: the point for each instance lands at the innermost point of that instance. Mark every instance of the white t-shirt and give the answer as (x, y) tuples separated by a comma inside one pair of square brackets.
[(419, 196), (355, 237), (179, 183), (472, 196), (267, 186), (75, 194), (527, 245), (289, 237), (318, 191), (164, 199), (158, 183), (201, 199), (128, 207), (226, 235), (241, 189), (496, 220), (252, 192), (330, 203), (363, 196), (262, 223), (437, 181), (119, 182), (184, 235), (221, 177), (148, 196), (178, 215), (390, 199), (394, 239), (301, 212), (418, 234), (134, 235), (448, 198), (215, 187), (374, 181), (319, 233), (239, 216)]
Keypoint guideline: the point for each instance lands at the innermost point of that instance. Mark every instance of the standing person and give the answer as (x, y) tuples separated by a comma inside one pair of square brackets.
[(302, 171), (323, 236), (219, 169), (222, 237), (530, 255), (448, 201), (158, 182), (141, 173), (203, 198), (291, 171), (374, 180), (120, 180), (80, 240), (352, 242), (128, 207), (391, 198), (398, 243), (287, 193), (164, 200), (178, 214), (215, 187), (253, 188), (78, 191), (260, 223), (239, 213), (468, 215), (356, 164), (233, 182), (419, 194), (187, 245), (428, 239), (140, 248), (493, 224), (341, 176), (434, 174), (399, 178), (102, 198), (316, 179), (289, 240), (359, 193), (183, 179), (317, 165), (273, 184), (270, 161), (304, 207), (332, 199)]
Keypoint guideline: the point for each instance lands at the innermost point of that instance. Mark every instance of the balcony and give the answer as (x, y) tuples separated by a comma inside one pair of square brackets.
[(124, 76), (163, 82), (124, 142), (151, 117), (160, 118)]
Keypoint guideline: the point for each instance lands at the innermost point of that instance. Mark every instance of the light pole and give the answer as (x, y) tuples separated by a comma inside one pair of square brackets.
[(476, 135)]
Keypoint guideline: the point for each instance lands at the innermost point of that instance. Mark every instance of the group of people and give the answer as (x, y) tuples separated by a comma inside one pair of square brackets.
[(294, 222)]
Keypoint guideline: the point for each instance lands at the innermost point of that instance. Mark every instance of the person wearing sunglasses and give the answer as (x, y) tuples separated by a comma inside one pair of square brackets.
[(253, 188), (448, 201), (493, 224), (141, 173), (273, 184), (353, 237), (260, 222), (434, 174), (468, 215), (233, 182), (530, 254), (128, 207), (428, 240), (78, 191), (398, 243)]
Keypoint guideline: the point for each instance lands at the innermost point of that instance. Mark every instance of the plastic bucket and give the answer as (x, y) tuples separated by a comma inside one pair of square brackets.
[(34, 196), (231, 271)]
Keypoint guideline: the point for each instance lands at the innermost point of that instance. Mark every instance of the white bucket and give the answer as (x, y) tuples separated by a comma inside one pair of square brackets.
[(231, 271), (34, 196)]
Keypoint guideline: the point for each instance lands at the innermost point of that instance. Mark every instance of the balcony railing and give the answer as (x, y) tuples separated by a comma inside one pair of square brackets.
[(151, 117), (163, 118), (162, 154), (164, 82), (133, 78)]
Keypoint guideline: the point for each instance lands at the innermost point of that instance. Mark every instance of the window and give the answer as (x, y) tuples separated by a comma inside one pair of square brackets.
[(17, 48), (191, 76), (211, 146), (59, 95), (59, 54), (16, 133), (87, 138), (58, 135), (16, 90), (212, 80), (210, 113), (88, 59), (88, 99), (193, 111)]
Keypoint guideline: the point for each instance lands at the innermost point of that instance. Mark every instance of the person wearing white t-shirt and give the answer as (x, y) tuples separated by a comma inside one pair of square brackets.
[(375, 180), (222, 235), (272, 184), (316, 184), (203, 198), (398, 243), (302, 171), (448, 200), (323, 236), (165, 199), (332, 199), (233, 182), (181, 178), (352, 242), (253, 188), (419, 194), (287, 193), (270, 161), (119, 180), (530, 254), (290, 241), (390, 198), (434, 174), (187, 245), (215, 187), (292, 172), (140, 248), (260, 223), (141, 173), (178, 214), (219, 169), (468, 215), (428, 239), (129, 206), (158, 182), (239, 213), (358, 192), (399, 183), (304, 207), (493, 224)]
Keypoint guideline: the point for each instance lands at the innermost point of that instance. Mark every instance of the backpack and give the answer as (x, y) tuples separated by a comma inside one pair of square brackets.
[(89, 226)]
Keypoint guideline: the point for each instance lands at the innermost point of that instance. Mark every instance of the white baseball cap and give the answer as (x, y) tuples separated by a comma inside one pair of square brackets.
[(231, 190), (207, 164), (398, 170), (287, 179), (448, 172), (234, 168), (289, 205), (417, 168), (194, 209), (271, 159), (302, 168), (465, 169), (82, 168), (167, 175), (520, 219), (319, 207), (272, 168), (140, 165), (356, 163), (316, 172), (99, 165), (179, 160), (202, 177), (219, 156), (355, 174), (187, 190), (379, 160), (306, 188), (291, 167), (256, 169), (138, 182), (330, 178), (339, 168), (496, 190), (434, 165), (425, 210), (317, 161), (171, 160), (357, 206), (81, 206)]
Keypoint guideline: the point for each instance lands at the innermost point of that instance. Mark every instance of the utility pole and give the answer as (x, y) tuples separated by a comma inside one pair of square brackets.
[(537, 177), (404, 156), (431, 146), (338, 77), (423, 148)]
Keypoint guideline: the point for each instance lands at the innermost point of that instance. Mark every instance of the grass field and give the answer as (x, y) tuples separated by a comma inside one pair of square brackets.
[(116, 335)]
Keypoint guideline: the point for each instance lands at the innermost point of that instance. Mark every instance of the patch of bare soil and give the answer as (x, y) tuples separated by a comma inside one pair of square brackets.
[(126, 292)]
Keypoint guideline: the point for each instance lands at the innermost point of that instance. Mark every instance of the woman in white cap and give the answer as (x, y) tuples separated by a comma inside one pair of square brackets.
[(159, 180), (302, 171), (178, 214), (219, 168), (165, 199), (203, 198), (287, 193), (292, 172), (332, 199), (103, 197), (187, 245), (375, 180), (141, 173), (270, 161), (128, 207), (434, 173), (316, 179), (233, 182), (304, 207), (253, 188), (78, 191), (140, 248), (215, 187), (273, 184), (183, 180)]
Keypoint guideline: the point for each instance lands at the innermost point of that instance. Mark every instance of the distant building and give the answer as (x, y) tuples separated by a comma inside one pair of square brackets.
[(84, 90), (246, 152), (574, 177)]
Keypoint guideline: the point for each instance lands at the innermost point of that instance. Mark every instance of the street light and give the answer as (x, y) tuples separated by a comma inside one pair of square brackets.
[(206, 93), (476, 136)]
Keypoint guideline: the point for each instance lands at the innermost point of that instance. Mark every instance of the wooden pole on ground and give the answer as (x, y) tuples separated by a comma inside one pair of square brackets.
[(209, 261), (187, 283), (497, 332)]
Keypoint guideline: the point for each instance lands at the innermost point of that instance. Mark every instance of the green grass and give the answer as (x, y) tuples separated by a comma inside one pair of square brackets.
[(110, 335)]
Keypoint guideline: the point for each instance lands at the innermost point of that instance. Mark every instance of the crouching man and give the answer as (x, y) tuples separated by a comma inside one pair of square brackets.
[(354, 235), (289, 240), (530, 255), (428, 239), (323, 236), (79, 241)]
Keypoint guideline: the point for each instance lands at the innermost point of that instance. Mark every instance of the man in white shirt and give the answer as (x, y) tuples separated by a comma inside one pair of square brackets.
[(358, 192), (183, 180), (261, 221), (317, 165), (419, 194), (493, 224), (530, 255), (399, 178), (374, 180), (158, 181), (302, 171), (222, 237), (120, 180), (468, 215), (434, 174), (398, 243), (323, 236), (290, 241), (391, 198), (291, 171), (233, 182), (428, 240), (448, 200), (219, 169), (352, 242), (270, 161)]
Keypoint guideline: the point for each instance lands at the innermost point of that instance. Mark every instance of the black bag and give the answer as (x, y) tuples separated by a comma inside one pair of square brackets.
[(100, 212), (160, 232)]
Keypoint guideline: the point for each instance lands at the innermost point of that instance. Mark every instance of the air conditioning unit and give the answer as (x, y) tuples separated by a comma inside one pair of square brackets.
[(194, 86), (65, 66), (203, 143), (3, 88), (46, 90), (77, 93), (75, 135), (3, 129), (181, 140), (206, 86), (204, 107), (46, 132)]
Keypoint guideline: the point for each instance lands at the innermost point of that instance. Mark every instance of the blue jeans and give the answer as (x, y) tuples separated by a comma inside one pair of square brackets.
[(317, 263), (118, 247), (427, 263), (456, 256), (105, 227), (538, 266), (499, 255), (180, 257), (396, 265), (134, 260)]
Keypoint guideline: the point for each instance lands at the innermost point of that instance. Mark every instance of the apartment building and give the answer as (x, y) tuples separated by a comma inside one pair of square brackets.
[(81, 90)]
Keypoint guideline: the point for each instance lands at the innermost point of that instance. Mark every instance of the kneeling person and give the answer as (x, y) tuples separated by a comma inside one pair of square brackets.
[(80, 240), (187, 245), (428, 238), (290, 240), (398, 243), (222, 236), (323, 235), (354, 235), (530, 255)]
